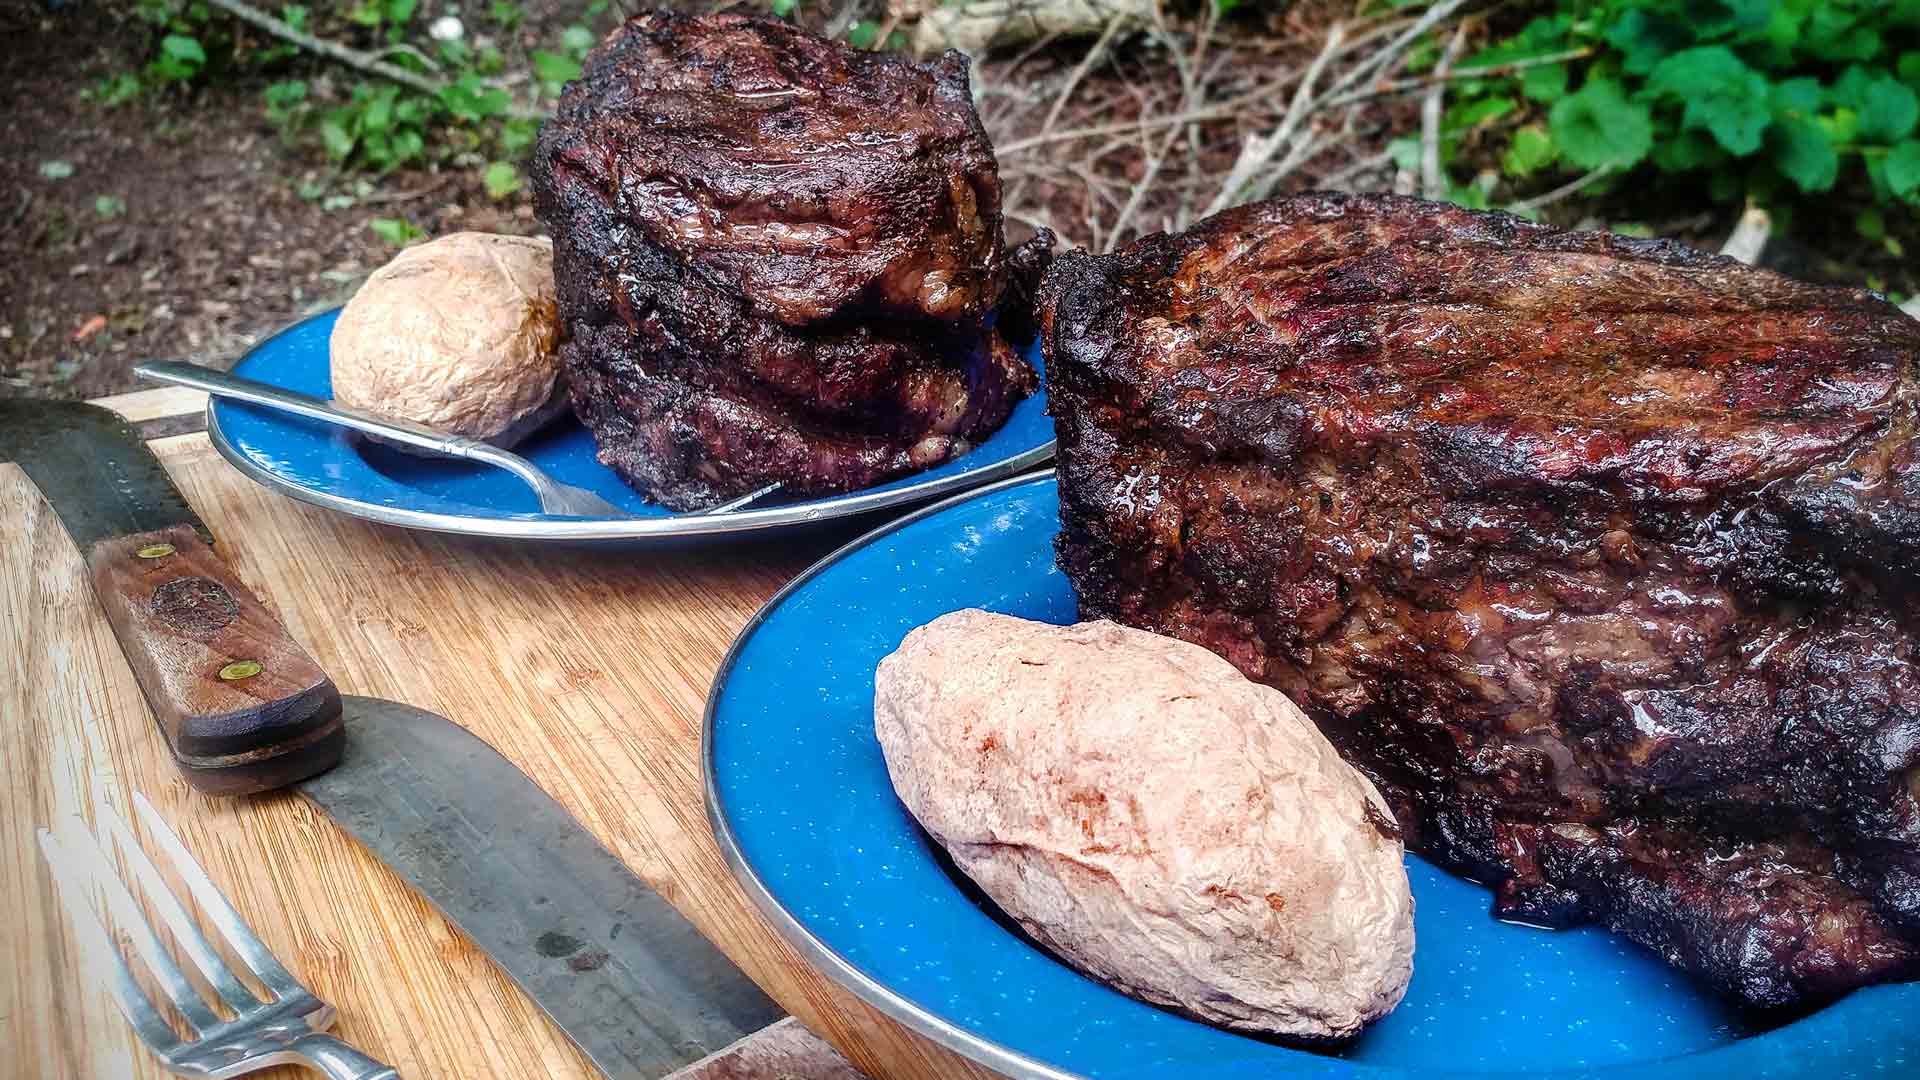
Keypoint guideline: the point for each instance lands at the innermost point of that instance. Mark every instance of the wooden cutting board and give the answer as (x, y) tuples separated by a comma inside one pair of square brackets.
[(587, 668)]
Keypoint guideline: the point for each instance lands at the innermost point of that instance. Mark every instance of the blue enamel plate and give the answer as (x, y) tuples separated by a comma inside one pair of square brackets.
[(318, 463), (800, 802)]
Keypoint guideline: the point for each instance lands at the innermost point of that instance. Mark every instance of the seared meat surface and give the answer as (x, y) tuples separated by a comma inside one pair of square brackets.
[(776, 258), (1598, 555), (812, 178)]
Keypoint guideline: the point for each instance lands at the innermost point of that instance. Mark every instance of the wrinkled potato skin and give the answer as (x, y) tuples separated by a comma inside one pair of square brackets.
[(1154, 818), (458, 333)]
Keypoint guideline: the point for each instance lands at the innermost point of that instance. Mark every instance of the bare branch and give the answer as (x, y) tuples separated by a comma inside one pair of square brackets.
[(1750, 235), (353, 58), (1572, 187), (1432, 183)]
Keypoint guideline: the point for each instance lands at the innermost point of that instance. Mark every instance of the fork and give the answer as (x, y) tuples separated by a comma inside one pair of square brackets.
[(555, 497), (289, 1029)]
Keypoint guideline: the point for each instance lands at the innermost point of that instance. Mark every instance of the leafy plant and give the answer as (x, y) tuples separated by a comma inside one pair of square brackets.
[(1766, 101), (398, 232), (502, 179)]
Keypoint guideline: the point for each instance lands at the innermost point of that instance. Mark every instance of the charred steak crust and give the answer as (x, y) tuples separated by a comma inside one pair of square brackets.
[(1598, 555), (814, 179), (775, 259)]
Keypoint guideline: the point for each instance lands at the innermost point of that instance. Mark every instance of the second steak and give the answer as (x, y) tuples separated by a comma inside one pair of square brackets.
[(1597, 555)]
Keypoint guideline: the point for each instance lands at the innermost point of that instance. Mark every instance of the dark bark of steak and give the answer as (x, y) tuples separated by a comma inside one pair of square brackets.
[(815, 179), (1598, 555), (775, 258)]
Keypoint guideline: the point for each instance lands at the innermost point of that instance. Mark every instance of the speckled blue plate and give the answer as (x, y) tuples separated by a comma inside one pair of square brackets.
[(799, 798), (318, 463)]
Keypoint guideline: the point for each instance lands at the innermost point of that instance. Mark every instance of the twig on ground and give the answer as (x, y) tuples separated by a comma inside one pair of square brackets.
[(1095, 54), (403, 196), (1485, 71), (1338, 179), (353, 58), (843, 19), (1259, 150), (1750, 235), (1571, 187), (1433, 183), (1292, 140)]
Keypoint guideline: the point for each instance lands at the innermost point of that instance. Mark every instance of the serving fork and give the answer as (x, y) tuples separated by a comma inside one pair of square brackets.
[(287, 1028), (564, 500)]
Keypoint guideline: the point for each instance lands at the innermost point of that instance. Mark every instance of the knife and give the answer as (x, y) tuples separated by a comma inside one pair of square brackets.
[(244, 709)]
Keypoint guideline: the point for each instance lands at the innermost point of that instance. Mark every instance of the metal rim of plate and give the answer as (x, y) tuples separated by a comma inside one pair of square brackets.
[(1000, 1058), (653, 528)]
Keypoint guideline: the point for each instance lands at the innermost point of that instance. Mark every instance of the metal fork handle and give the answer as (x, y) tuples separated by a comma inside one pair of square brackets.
[(340, 1061), (227, 385)]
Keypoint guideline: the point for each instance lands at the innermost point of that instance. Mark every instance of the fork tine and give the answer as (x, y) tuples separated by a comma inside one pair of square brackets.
[(179, 923), (125, 913), (93, 939), (248, 947)]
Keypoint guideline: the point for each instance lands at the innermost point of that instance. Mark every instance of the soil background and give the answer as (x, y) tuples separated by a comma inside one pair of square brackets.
[(215, 249)]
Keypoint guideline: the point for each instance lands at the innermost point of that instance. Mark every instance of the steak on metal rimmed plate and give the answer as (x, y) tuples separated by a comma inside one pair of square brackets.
[(776, 259), (1598, 555)]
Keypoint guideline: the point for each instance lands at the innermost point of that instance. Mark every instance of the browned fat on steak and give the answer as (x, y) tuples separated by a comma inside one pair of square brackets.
[(1598, 555), (776, 257)]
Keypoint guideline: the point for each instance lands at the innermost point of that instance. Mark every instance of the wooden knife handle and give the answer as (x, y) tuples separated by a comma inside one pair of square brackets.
[(242, 706)]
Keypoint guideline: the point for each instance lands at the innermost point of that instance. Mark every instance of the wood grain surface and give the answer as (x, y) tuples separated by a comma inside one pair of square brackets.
[(588, 669)]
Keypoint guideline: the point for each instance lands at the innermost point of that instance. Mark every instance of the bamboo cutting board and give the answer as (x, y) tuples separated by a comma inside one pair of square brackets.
[(587, 669)]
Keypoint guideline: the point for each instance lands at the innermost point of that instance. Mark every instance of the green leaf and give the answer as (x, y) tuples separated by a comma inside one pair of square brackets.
[(554, 68), (470, 99), (1545, 84), (1833, 33), (109, 206), (379, 114), (400, 11), (1644, 39), (1903, 168), (784, 9), (1721, 94), (1532, 149), (338, 142), (1870, 224), (502, 179), (294, 15), (1686, 151), (396, 231), (577, 40), (56, 169), (183, 49), (1908, 67), (1797, 97), (1887, 108), (1470, 114), (863, 34), (1841, 125), (1405, 152), (1599, 127), (1803, 155), (516, 135)]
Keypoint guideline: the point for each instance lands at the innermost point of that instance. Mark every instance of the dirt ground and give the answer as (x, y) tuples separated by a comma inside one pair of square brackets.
[(215, 248)]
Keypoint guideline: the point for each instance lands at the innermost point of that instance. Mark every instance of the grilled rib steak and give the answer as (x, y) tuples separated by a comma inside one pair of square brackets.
[(811, 177), (1598, 555), (776, 256)]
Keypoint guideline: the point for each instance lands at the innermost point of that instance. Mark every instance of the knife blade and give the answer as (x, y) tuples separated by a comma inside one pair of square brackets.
[(244, 709), (632, 983)]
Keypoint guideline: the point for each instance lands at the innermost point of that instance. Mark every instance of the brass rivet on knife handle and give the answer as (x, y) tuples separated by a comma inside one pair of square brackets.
[(242, 706), (154, 551)]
